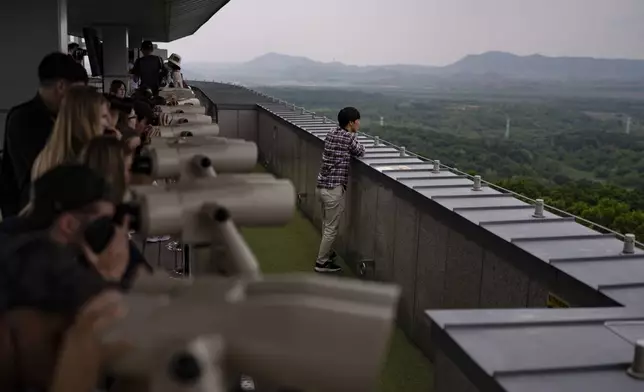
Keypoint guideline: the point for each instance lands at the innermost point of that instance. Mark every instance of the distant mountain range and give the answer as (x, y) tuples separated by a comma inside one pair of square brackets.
[(483, 69)]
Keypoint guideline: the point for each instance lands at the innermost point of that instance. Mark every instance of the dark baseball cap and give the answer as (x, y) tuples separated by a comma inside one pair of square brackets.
[(147, 45), (66, 188)]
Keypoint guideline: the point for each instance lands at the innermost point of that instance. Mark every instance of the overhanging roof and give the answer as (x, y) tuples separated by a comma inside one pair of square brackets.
[(156, 20)]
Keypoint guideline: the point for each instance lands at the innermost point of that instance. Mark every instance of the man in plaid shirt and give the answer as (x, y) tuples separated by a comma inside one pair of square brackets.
[(340, 146)]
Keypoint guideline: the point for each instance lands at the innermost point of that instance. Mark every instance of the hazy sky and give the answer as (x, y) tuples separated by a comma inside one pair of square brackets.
[(433, 32)]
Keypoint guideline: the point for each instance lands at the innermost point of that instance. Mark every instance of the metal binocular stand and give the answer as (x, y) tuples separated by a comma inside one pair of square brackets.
[(290, 332)]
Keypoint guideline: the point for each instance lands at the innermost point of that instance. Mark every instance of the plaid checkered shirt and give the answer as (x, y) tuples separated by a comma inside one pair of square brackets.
[(339, 146)]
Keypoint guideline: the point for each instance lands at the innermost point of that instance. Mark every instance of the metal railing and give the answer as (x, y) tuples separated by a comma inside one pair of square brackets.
[(552, 209), (535, 202)]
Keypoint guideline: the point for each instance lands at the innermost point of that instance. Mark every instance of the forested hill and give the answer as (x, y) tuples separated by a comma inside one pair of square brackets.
[(537, 67), (492, 70)]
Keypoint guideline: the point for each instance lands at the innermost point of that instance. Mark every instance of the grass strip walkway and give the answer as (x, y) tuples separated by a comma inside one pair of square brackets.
[(293, 248)]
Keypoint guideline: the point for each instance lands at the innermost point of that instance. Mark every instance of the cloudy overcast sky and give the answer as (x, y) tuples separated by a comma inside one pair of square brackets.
[(433, 32)]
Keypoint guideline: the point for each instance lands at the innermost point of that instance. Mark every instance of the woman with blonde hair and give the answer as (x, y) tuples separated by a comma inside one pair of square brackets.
[(84, 115)]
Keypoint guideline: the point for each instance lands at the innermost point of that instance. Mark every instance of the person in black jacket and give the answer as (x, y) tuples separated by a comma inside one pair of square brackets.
[(149, 70), (29, 125)]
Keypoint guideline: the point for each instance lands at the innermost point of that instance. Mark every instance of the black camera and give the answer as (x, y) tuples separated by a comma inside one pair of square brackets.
[(78, 53), (99, 233)]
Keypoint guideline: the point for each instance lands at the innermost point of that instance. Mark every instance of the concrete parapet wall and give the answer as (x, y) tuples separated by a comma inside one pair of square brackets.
[(238, 124), (437, 264)]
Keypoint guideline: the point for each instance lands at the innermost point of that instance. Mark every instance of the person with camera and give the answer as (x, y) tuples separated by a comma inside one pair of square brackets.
[(113, 158), (77, 53), (29, 125), (64, 248)]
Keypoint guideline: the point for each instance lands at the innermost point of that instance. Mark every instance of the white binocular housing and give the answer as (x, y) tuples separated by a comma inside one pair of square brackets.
[(186, 208), (189, 102), (191, 157), (175, 119), (280, 330), (187, 130), (178, 93), (191, 109)]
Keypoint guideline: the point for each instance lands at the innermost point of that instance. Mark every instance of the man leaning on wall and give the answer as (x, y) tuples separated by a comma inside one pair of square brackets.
[(340, 146)]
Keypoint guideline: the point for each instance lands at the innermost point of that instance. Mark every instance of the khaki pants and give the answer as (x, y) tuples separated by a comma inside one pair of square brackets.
[(332, 201)]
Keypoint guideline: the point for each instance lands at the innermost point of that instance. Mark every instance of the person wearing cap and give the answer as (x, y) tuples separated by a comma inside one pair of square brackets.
[(29, 125), (149, 69), (47, 263), (176, 77)]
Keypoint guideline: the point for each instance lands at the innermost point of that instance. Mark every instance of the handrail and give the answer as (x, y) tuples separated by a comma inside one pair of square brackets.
[(529, 200), (548, 207)]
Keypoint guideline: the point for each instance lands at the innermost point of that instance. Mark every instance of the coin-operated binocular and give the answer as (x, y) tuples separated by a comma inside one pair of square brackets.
[(177, 93), (188, 109), (257, 199), (195, 157), (201, 212), (189, 102), (199, 335), (186, 130), (181, 119)]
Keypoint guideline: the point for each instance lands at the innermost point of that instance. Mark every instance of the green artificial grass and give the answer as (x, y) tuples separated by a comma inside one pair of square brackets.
[(293, 248)]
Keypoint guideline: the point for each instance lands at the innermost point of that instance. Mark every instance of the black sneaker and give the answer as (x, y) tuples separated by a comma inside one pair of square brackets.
[(329, 266)]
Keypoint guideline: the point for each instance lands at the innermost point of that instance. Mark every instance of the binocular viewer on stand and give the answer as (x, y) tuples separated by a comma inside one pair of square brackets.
[(188, 109), (186, 209), (176, 119), (186, 130), (180, 94), (195, 157), (282, 330)]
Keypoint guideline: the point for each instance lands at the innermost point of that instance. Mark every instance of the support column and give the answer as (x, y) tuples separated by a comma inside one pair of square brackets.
[(134, 42), (29, 30), (115, 59), (134, 39)]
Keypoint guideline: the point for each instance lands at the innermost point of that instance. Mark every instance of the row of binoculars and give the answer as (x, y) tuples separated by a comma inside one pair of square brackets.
[(206, 170)]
